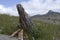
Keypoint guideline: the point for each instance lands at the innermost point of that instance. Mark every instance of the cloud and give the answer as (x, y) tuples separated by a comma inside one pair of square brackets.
[(41, 6), (8, 10), (2, 9), (33, 7)]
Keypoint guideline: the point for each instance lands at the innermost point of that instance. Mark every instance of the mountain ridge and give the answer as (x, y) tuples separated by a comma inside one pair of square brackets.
[(51, 17)]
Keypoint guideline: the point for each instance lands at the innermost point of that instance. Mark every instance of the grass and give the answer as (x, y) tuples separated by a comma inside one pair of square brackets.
[(48, 31)]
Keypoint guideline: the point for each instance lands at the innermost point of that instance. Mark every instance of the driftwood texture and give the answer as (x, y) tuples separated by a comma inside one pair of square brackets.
[(25, 22), (25, 25)]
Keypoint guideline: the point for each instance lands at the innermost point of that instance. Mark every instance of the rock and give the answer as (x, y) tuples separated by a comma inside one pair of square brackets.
[(6, 37)]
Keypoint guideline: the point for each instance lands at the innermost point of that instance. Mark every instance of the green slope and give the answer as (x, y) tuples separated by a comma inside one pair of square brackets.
[(48, 31), (8, 24)]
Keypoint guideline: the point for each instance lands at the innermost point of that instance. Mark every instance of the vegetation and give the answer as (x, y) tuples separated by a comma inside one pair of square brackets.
[(8, 24), (48, 31)]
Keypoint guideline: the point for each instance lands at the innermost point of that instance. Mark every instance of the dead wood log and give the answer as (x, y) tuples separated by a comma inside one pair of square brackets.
[(14, 33)]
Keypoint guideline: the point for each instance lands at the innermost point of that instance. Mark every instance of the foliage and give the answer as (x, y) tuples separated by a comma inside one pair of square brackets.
[(8, 24), (47, 31)]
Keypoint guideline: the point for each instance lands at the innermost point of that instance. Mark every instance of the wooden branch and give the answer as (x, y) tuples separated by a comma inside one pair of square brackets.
[(20, 35), (15, 32)]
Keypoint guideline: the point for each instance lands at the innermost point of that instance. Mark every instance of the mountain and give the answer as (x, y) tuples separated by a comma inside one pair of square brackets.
[(51, 17)]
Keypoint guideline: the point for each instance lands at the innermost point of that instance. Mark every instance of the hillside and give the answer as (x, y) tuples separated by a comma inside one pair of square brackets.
[(48, 31), (8, 24), (50, 17)]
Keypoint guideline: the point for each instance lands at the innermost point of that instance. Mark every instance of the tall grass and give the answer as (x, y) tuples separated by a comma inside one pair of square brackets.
[(48, 31)]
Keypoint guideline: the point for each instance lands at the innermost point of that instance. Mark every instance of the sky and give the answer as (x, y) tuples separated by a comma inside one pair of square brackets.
[(32, 7)]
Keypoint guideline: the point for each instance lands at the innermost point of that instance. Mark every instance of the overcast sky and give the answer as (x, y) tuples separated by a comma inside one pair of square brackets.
[(32, 7)]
